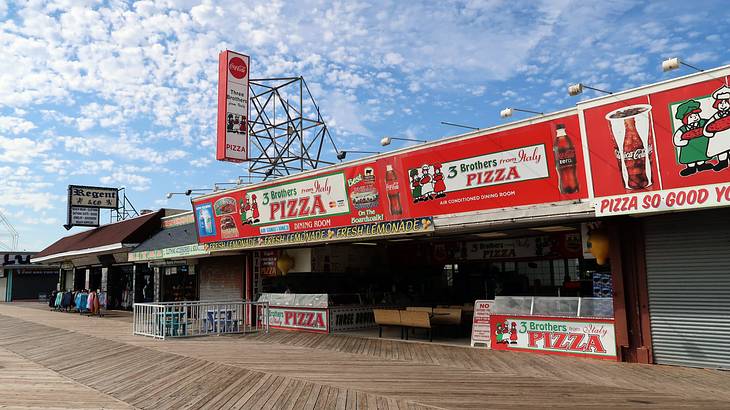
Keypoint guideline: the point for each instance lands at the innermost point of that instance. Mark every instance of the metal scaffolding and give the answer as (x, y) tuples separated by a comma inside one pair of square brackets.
[(287, 133), (8, 235)]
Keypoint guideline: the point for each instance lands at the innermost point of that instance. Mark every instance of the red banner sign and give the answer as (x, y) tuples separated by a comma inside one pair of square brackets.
[(537, 163), (671, 137)]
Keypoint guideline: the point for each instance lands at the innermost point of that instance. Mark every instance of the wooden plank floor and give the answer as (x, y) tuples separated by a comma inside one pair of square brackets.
[(28, 385), (300, 370)]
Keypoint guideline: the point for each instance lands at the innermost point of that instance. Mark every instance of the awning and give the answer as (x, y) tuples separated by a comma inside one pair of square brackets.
[(172, 243), (108, 239)]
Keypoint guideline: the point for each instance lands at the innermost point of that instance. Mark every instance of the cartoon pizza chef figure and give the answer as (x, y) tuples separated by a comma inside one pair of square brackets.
[(717, 128), (426, 183), (439, 186), (513, 333), (245, 207), (415, 186), (499, 333), (690, 140), (254, 208)]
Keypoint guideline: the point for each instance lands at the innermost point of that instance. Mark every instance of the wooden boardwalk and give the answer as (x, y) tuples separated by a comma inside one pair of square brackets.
[(300, 371)]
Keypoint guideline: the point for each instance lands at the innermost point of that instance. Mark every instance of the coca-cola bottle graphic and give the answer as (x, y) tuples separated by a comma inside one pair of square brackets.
[(631, 132), (565, 161), (392, 188)]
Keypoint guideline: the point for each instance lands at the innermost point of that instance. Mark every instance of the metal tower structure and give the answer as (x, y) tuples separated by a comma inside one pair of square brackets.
[(287, 133), (125, 209), (8, 235)]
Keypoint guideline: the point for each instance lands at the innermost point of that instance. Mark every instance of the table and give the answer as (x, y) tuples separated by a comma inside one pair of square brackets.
[(170, 323), (221, 318)]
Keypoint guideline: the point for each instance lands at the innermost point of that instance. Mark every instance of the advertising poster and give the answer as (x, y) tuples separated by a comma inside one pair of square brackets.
[(480, 329), (233, 111), (533, 164), (205, 221), (546, 246), (581, 337), (665, 150), (319, 203), (313, 320)]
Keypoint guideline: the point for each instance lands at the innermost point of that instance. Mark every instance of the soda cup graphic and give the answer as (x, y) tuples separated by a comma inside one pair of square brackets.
[(631, 131)]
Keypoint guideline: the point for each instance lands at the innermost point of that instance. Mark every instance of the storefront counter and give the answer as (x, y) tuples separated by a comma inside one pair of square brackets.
[(551, 326), (315, 313)]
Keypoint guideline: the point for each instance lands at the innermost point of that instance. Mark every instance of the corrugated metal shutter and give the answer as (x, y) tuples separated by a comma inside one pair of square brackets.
[(688, 272)]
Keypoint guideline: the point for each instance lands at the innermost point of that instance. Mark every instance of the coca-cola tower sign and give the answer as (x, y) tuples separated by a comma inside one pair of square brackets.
[(233, 104)]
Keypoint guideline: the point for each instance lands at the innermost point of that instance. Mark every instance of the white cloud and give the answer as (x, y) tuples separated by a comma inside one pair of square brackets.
[(23, 189), (22, 150), (133, 181), (15, 125)]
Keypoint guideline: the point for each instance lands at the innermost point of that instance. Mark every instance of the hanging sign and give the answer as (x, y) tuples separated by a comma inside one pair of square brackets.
[(232, 135), (581, 337), (83, 216), (480, 331)]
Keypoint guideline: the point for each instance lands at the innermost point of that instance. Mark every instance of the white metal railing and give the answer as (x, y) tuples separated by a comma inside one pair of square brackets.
[(199, 318)]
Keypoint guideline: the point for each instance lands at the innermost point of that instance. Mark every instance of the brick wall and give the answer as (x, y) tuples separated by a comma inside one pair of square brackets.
[(221, 278)]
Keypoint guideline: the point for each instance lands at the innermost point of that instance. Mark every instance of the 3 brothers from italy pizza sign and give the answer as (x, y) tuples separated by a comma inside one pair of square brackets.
[(584, 337)]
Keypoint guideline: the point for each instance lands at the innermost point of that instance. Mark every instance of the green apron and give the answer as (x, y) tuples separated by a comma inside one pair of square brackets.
[(696, 150)]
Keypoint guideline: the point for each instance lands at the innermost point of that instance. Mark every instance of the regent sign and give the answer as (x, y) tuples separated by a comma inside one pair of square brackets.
[(93, 197), (84, 203)]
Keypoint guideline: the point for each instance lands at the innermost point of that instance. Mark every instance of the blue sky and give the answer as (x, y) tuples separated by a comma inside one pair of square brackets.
[(124, 93)]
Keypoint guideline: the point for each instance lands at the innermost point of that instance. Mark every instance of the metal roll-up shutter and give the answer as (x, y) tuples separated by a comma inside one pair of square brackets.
[(688, 272)]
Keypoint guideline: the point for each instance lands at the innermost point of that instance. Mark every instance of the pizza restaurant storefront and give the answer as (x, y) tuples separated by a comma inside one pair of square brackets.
[(501, 212), (487, 215)]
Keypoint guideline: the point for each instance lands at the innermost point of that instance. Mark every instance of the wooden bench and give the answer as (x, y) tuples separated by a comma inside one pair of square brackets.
[(415, 319), (387, 317), (446, 316)]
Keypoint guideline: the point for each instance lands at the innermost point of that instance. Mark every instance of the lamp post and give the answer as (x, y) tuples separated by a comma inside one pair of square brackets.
[(674, 63), (507, 112), (385, 141), (576, 89)]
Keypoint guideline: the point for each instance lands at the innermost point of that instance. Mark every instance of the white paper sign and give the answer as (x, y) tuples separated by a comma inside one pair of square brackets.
[(480, 332), (84, 216)]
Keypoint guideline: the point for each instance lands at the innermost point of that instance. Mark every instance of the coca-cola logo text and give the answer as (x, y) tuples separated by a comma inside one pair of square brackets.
[(639, 153), (237, 67)]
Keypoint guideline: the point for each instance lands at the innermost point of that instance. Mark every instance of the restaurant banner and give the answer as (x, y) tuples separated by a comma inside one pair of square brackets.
[(566, 245), (531, 164), (580, 337), (318, 203), (363, 232), (176, 252), (661, 149), (313, 320)]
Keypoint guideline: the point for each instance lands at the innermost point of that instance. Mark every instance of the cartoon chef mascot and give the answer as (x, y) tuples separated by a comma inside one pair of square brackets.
[(717, 128), (690, 140)]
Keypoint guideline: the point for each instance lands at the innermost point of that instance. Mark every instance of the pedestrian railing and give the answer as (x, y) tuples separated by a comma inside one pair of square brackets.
[(199, 318)]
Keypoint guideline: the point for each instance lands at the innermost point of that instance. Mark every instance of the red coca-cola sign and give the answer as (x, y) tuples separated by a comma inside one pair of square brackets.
[(237, 67)]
